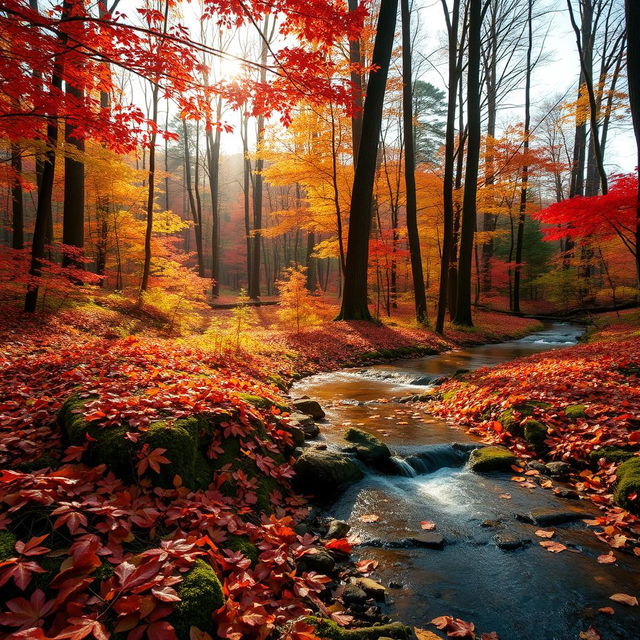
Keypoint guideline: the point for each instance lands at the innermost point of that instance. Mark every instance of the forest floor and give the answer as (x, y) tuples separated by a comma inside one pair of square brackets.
[(145, 482)]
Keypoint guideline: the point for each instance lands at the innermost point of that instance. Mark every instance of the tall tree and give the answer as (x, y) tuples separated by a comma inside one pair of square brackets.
[(410, 167), (355, 55), (468, 224), (17, 200), (354, 298), (452, 22), (632, 13)]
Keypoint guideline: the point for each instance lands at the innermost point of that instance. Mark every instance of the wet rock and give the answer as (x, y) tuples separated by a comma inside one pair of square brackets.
[(544, 516), (395, 585), (296, 433), (492, 524), (309, 407), (535, 433), (539, 467), (306, 423), (338, 529), (353, 594), (372, 588), (321, 446), (491, 459), (438, 381), (369, 449), (509, 541), (559, 469), (324, 472), (318, 560), (460, 372), (422, 380), (406, 399), (567, 494), (426, 539)]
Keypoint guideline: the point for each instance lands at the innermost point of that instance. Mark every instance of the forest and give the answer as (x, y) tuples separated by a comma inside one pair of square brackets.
[(320, 320)]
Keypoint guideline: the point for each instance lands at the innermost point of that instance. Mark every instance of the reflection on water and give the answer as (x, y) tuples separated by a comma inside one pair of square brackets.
[(526, 594)]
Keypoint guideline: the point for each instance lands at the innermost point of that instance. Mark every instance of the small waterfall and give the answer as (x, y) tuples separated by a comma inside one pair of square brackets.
[(438, 456), (403, 467)]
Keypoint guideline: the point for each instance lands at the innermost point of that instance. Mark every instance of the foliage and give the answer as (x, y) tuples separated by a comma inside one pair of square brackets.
[(297, 306)]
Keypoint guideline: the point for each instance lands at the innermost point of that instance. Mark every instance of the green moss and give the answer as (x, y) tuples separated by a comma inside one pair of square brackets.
[(491, 459), (535, 434), (511, 418), (7, 545), (242, 544), (631, 369), (628, 475), (104, 571), (611, 454), (369, 449), (44, 461), (260, 402), (279, 381), (200, 595), (575, 411), (331, 631)]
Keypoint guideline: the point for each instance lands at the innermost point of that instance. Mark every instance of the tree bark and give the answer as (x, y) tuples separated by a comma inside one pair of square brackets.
[(356, 80), (213, 143), (409, 167), (354, 299), (17, 201), (468, 226)]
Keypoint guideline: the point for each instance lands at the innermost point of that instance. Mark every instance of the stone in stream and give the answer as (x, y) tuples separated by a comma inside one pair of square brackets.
[(427, 540), (309, 407), (353, 594), (545, 516), (322, 473), (509, 541), (371, 450), (337, 529), (318, 560), (372, 588), (491, 459), (306, 423), (422, 381), (558, 469)]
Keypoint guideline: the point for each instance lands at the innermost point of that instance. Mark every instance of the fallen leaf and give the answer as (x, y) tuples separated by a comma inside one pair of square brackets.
[(590, 634), (607, 558), (423, 634), (543, 533), (366, 566), (455, 627), (369, 517), (624, 598), (554, 547), (607, 610), (492, 635), (505, 496), (427, 525)]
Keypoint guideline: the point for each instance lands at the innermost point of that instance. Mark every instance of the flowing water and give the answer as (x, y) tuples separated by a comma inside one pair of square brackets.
[(523, 594)]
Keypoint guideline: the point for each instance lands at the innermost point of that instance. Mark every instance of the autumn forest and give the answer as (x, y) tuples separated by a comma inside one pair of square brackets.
[(320, 320)]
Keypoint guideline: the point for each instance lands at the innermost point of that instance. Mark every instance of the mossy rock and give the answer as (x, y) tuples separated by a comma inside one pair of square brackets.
[(371, 450), (331, 631), (260, 402), (7, 545), (631, 369), (575, 411), (45, 461), (323, 473), (628, 475), (535, 434), (242, 544), (491, 459), (278, 381), (611, 454), (511, 418), (200, 595)]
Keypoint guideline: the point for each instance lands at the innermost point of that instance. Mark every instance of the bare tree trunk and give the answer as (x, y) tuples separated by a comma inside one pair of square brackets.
[(356, 80), (354, 299), (17, 201), (213, 144)]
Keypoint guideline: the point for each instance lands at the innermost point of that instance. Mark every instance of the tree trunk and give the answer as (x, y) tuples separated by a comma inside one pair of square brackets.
[(632, 11), (409, 167), (354, 299), (467, 230), (213, 144), (17, 202), (356, 80), (447, 238)]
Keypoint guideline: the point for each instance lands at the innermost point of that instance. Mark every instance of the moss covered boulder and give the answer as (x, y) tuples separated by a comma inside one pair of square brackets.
[(511, 419), (323, 473), (627, 491), (7, 545), (200, 596), (331, 631), (611, 454), (575, 411), (535, 433), (371, 450), (491, 459)]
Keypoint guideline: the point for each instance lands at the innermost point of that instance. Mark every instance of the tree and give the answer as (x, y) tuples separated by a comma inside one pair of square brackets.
[(429, 108), (297, 305), (410, 168), (354, 298), (468, 226)]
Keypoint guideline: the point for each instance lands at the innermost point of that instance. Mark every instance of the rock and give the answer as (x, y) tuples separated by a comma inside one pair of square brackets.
[(395, 585), (611, 454), (628, 475), (535, 433), (369, 449), (309, 407), (372, 588), (491, 459), (321, 446), (492, 524), (558, 469), (297, 434), (322, 473), (337, 529), (567, 494), (427, 540), (509, 541), (575, 411), (317, 559), (330, 630), (422, 381), (460, 372), (406, 399), (353, 594), (544, 516), (300, 419), (539, 467), (438, 381)]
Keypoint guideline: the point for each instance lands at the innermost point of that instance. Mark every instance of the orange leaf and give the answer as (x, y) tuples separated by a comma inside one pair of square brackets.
[(542, 533), (428, 526), (624, 598)]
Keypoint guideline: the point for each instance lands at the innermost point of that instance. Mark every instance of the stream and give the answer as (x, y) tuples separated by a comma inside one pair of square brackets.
[(527, 593)]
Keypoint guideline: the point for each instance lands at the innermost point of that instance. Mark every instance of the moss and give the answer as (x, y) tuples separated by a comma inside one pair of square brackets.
[(611, 454), (43, 462), (7, 545), (369, 449), (535, 434), (242, 544), (331, 631), (260, 402), (628, 475), (279, 381), (104, 571), (575, 411), (200, 595), (491, 459), (511, 418)]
